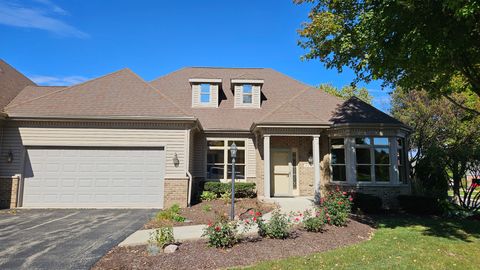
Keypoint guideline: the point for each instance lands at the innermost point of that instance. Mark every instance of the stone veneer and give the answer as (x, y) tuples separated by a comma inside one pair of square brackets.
[(8, 192), (175, 192)]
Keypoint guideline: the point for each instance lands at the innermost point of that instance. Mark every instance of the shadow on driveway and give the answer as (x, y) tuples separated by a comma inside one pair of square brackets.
[(64, 238)]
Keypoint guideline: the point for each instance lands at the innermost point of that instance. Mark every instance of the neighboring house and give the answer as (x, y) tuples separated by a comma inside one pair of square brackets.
[(118, 141)]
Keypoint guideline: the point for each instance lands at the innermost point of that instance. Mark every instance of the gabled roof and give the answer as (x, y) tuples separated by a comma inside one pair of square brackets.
[(118, 94), (11, 83), (277, 89)]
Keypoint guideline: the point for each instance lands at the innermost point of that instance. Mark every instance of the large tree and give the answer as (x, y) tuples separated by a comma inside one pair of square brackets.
[(445, 142), (431, 44), (347, 92)]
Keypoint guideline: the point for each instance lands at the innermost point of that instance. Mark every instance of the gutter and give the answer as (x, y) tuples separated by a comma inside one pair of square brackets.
[(103, 118)]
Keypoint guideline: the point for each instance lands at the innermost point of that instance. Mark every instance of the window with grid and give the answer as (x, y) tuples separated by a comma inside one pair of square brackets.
[(372, 156), (247, 94), (204, 93), (338, 162), (219, 159)]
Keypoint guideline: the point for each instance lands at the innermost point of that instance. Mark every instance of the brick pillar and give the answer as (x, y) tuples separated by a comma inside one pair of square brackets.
[(8, 192)]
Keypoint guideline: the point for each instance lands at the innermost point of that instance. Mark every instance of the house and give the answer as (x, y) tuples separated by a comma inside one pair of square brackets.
[(118, 141)]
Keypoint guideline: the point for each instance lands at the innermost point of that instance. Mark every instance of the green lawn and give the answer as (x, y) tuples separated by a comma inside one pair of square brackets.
[(401, 243)]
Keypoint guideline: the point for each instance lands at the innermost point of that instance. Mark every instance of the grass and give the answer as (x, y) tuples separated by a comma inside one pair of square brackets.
[(401, 243)]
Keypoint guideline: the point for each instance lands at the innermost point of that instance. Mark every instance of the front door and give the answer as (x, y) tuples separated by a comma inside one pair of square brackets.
[(282, 172)]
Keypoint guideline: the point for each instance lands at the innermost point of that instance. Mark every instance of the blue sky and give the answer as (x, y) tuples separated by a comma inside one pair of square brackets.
[(65, 42)]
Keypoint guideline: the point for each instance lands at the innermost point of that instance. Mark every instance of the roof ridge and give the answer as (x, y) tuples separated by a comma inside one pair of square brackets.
[(65, 88), (283, 103), (168, 74), (159, 92)]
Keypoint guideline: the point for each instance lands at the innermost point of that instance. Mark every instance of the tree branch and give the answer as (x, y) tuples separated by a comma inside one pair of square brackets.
[(462, 106)]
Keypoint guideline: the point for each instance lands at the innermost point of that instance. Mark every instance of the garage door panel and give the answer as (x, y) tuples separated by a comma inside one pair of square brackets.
[(90, 178)]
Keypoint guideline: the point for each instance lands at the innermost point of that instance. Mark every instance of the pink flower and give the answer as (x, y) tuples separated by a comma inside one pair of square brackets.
[(258, 214), (247, 221), (297, 219), (217, 229), (344, 193), (254, 219), (350, 199), (251, 212)]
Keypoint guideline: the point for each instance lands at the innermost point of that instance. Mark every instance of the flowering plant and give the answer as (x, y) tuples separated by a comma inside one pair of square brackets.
[(337, 206), (314, 221), (278, 227), (222, 233)]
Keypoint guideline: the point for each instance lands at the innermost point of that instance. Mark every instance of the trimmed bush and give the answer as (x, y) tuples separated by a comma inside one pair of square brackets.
[(367, 203), (315, 222), (279, 226), (242, 190), (419, 205)]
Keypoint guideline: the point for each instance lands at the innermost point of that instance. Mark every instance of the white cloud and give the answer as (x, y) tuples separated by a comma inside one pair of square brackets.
[(41, 17), (57, 81)]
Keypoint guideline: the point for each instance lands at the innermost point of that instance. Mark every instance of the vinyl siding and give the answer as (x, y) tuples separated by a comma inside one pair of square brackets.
[(16, 138), (251, 159), (213, 96), (256, 97)]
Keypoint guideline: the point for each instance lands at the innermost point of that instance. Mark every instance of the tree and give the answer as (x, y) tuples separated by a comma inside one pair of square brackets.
[(430, 45), (347, 92), (446, 138)]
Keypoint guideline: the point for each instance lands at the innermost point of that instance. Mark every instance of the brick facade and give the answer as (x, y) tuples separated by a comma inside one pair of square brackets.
[(176, 192), (8, 192)]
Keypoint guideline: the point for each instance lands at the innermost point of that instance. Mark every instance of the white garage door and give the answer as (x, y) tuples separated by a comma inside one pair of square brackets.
[(94, 177)]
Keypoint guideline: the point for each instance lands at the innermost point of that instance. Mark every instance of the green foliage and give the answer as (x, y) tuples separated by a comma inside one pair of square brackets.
[(226, 197), (431, 45), (367, 203), (420, 205), (242, 190), (315, 222), (222, 233), (162, 237), (337, 205), (208, 196), (445, 140), (278, 227), (347, 92), (207, 208), (172, 214)]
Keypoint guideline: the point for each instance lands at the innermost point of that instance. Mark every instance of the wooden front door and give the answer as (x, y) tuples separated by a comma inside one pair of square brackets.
[(281, 174)]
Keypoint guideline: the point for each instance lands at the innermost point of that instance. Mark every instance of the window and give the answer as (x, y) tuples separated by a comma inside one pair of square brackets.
[(219, 160), (204, 93), (247, 96), (372, 157), (338, 160), (401, 157)]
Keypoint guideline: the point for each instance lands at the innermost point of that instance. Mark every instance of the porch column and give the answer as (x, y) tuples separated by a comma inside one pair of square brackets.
[(316, 165), (266, 166)]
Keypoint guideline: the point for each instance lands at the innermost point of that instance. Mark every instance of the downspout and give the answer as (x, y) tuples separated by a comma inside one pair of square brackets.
[(190, 184)]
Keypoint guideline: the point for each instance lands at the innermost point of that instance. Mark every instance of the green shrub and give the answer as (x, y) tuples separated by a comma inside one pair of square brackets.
[(314, 222), (242, 190), (221, 234), (207, 208), (367, 203), (420, 205), (162, 237), (208, 196), (279, 226), (226, 197), (338, 206), (172, 214)]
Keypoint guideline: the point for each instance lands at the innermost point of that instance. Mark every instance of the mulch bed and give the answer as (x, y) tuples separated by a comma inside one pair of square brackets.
[(197, 255), (198, 214)]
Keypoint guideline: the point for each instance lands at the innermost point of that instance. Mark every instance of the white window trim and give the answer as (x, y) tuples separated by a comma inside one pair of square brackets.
[(342, 164), (350, 159), (226, 163), (247, 94)]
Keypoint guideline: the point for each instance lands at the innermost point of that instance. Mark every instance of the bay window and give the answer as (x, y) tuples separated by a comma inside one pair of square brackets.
[(219, 160), (338, 162), (372, 159)]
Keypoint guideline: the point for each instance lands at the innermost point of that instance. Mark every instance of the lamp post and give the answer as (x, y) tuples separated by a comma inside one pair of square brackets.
[(233, 153)]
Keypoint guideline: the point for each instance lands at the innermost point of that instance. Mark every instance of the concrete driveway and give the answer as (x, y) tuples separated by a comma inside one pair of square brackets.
[(64, 239)]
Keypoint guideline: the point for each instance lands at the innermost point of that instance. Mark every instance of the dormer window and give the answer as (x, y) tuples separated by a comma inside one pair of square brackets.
[(205, 93), (247, 94)]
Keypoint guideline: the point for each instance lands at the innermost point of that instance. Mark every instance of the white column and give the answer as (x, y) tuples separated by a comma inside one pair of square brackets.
[(316, 165), (266, 165)]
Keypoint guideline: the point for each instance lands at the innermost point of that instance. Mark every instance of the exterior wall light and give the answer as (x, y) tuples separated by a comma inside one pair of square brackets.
[(10, 157), (310, 159), (176, 161)]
